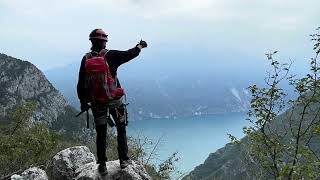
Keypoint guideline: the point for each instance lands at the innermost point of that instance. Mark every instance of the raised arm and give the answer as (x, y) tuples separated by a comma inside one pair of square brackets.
[(116, 58), (119, 57)]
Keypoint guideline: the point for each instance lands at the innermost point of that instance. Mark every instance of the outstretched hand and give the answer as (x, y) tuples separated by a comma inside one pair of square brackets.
[(143, 43)]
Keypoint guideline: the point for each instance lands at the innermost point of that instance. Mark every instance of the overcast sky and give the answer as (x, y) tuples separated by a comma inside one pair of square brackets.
[(55, 33)]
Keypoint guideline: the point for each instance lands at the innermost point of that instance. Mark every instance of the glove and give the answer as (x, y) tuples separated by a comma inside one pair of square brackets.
[(84, 107), (143, 44)]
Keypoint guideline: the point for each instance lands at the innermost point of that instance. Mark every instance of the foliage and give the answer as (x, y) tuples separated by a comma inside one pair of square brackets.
[(22, 145), (69, 123), (144, 150), (284, 143), (167, 167)]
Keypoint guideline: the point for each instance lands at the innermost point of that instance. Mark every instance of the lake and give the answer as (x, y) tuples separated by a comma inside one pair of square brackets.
[(194, 137)]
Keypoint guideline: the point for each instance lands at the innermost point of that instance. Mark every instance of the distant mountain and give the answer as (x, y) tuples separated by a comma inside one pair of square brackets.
[(169, 93), (21, 81), (167, 96)]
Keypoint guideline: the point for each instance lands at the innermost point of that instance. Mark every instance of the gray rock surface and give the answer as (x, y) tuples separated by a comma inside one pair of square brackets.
[(33, 173), (21, 81), (79, 163), (66, 162), (16, 177), (134, 171)]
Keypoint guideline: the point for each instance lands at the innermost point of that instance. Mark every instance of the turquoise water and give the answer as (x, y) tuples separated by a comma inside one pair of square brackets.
[(194, 138)]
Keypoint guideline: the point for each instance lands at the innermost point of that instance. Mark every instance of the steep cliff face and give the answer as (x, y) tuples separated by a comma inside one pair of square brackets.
[(229, 162), (21, 81)]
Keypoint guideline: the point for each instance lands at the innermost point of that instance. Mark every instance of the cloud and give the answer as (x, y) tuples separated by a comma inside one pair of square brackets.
[(61, 27)]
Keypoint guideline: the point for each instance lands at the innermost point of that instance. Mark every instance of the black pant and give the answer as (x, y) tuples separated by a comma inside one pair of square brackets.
[(101, 130)]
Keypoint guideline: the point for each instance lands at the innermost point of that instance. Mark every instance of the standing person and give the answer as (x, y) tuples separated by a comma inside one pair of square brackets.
[(99, 88)]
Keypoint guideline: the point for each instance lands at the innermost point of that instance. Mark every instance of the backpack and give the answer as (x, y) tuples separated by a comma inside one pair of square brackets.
[(100, 86)]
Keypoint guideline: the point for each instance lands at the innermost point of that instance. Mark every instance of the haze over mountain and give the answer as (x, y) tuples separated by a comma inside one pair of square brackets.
[(177, 84), (217, 46), (182, 87)]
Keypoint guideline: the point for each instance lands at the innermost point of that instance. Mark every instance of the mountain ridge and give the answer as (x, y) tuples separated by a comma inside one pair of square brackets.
[(21, 81)]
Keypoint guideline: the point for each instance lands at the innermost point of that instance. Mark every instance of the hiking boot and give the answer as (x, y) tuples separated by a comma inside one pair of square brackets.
[(102, 169), (125, 163)]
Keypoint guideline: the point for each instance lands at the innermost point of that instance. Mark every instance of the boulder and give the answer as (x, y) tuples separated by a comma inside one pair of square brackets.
[(16, 177), (79, 163), (66, 162), (33, 173), (134, 171)]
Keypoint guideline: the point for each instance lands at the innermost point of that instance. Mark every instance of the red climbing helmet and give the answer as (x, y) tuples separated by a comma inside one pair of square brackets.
[(98, 34)]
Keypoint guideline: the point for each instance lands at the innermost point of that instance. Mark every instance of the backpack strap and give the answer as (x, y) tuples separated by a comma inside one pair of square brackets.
[(103, 52), (88, 55)]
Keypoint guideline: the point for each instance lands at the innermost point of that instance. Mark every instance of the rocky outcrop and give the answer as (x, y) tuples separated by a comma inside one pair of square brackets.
[(66, 162), (21, 81), (79, 163), (33, 173), (133, 172)]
